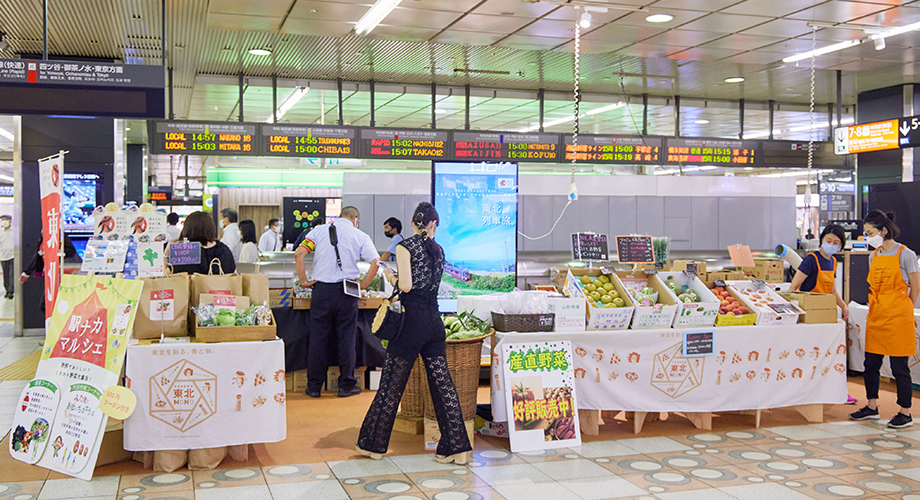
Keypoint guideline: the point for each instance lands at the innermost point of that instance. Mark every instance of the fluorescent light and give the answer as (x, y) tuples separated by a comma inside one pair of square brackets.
[(659, 18), (441, 111), (260, 52), (749, 168), (896, 31), (664, 172), (822, 51), (734, 79), (6, 178), (289, 103), (709, 167), (701, 122), (571, 118), (7, 134), (380, 10)]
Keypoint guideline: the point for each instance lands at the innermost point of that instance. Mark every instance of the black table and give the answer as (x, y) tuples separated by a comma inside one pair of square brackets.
[(293, 326)]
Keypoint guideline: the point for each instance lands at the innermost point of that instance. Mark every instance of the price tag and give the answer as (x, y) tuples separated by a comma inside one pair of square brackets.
[(604, 270), (699, 343), (719, 283), (659, 265), (690, 274), (650, 272), (759, 283)]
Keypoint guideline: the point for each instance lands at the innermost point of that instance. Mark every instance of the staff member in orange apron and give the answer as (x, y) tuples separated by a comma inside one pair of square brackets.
[(894, 283), (818, 271)]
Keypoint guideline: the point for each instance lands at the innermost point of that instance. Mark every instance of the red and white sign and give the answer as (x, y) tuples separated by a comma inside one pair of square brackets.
[(162, 305), (51, 174)]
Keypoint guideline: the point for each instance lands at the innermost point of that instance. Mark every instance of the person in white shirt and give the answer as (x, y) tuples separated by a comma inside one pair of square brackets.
[(333, 314), (232, 237), (6, 255), (250, 252), (270, 241), (172, 228)]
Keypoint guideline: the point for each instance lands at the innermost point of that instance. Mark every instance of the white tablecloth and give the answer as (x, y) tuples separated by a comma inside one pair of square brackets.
[(856, 341), (192, 396), (754, 367)]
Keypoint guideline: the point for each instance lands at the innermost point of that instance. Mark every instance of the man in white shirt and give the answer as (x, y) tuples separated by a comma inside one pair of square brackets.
[(172, 227), (270, 241), (333, 314), (6, 255), (232, 237)]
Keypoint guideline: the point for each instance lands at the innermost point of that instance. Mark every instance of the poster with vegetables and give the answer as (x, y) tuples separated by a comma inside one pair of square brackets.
[(32, 421), (541, 401), (77, 429)]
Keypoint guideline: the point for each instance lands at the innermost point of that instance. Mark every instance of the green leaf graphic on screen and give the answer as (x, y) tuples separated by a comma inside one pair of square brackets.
[(150, 255)]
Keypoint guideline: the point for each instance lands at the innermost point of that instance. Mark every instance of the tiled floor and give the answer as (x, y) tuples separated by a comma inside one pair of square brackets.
[(786, 459)]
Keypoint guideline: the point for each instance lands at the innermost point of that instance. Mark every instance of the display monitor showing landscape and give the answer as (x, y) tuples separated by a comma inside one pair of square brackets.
[(477, 203)]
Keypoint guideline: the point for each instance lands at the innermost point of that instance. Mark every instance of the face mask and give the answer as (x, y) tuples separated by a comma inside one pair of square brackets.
[(875, 241), (5, 224), (829, 248), (276, 229)]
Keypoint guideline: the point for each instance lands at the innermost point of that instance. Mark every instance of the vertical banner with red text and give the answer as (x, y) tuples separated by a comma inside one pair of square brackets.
[(51, 174)]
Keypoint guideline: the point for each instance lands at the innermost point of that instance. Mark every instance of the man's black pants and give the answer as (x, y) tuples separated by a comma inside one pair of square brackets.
[(333, 317)]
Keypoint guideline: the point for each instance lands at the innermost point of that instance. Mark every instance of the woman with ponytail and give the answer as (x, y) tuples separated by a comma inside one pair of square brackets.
[(420, 262), (894, 283)]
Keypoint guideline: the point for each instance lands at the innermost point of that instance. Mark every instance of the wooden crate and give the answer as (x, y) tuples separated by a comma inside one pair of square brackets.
[(234, 333)]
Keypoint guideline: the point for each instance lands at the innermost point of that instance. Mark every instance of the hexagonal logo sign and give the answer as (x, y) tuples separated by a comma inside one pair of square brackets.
[(183, 395), (675, 375)]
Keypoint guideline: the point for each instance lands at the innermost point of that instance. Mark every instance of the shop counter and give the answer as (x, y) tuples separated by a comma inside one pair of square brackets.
[(856, 343), (194, 396), (752, 368), (294, 330)]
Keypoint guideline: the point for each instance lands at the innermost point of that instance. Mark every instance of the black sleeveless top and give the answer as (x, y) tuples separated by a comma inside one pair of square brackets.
[(426, 271)]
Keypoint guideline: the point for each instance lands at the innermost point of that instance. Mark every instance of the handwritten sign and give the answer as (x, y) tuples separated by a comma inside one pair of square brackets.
[(698, 343), (635, 249), (118, 402), (589, 246), (182, 254)]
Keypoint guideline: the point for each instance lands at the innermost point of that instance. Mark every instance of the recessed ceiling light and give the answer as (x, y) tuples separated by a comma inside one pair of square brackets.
[(441, 111), (659, 18), (734, 79), (701, 122), (260, 52)]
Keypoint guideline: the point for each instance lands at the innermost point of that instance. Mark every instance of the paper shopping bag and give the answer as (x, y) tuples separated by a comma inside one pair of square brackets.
[(255, 286), (163, 307), (214, 284)]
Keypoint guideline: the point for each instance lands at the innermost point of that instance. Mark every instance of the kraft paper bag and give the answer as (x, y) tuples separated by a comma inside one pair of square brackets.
[(206, 458), (214, 284), (255, 286), (169, 460), (163, 307)]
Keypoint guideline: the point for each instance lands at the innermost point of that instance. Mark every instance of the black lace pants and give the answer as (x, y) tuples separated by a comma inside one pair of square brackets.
[(401, 354)]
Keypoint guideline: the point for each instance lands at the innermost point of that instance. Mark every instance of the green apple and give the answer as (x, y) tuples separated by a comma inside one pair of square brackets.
[(591, 287), (606, 299)]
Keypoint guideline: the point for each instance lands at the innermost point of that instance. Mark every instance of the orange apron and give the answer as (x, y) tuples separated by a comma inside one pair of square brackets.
[(890, 327), (825, 279)]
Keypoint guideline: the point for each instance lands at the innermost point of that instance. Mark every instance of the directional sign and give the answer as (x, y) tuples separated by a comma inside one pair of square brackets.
[(909, 132)]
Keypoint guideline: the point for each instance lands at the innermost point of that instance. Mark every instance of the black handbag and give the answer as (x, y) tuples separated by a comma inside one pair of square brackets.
[(388, 322)]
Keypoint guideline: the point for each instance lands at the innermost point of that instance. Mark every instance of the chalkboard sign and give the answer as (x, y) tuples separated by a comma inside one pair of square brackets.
[(719, 283), (183, 254), (635, 249), (589, 246), (698, 343)]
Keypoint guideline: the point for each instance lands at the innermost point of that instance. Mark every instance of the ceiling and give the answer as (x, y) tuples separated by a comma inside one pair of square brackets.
[(504, 49)]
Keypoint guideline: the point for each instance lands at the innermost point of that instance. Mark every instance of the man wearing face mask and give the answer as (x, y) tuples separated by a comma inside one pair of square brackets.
[(391, 228), (270, 241), (232, 237), (894, 284), (6, 254)]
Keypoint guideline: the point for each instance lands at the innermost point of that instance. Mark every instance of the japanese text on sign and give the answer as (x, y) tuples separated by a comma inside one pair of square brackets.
[(537, 360)]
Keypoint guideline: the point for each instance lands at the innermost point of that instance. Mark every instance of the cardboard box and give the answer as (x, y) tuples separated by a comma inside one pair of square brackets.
[(112, 448), (296, 381), (433, 433), (769, 270), (724, 275), (808, 301), (279, 297), (735, 320), (332, 378), (692, 314), (612, 318), (681, 265), (819, 316), (234, 333), (763, 301), (660, 315)]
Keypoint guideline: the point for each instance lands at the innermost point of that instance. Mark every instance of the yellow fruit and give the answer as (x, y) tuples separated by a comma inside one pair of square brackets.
[(585, 280), (608, 286), (606, 299), (590, 287), (603, 279)]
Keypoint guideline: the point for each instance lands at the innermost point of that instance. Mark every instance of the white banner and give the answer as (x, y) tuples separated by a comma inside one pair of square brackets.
[(856, 343), (193, 396), (752, 368)]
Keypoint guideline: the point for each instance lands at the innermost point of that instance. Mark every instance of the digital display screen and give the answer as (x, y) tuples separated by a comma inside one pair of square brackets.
[(397, 144), (711, 152), (299, 140), (82, 193), (616, 149), (495, 146), (477, 205), (217, 138)]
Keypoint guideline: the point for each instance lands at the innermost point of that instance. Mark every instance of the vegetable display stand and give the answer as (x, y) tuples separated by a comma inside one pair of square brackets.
[(463, 361), (234, 333), (412, 403)]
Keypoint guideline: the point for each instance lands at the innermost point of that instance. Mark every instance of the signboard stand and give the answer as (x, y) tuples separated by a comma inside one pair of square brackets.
[(635, 249), (590, 248)]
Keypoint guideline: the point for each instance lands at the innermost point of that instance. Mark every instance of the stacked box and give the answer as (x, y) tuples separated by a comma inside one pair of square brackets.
[(769, 270), (614, 318), (761, 299), (819, 307), (681, 265), (692, 314)]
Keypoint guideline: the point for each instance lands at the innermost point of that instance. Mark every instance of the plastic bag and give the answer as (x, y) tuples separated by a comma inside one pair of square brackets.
[(246, 317), (206, 314), (262, 315)]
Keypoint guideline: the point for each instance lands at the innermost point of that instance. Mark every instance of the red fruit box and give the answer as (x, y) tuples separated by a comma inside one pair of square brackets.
[(735, 319)]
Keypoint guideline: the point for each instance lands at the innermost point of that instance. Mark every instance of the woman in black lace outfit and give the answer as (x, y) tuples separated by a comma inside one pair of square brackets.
[(420, 263)]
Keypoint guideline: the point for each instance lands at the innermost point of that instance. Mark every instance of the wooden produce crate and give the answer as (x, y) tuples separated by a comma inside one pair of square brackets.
[(234, 333)]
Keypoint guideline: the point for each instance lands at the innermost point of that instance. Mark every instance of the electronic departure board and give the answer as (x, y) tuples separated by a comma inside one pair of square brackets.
[(203, 138), (622, 149), (497, 146), (404, 144), (319, 141), (711, 152)]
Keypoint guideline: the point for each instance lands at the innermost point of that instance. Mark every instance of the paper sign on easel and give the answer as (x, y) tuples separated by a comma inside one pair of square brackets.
[(150, 259)]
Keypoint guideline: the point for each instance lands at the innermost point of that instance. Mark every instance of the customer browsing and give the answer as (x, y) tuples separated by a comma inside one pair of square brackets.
[(336, 249), (392, 228), (232, 237)]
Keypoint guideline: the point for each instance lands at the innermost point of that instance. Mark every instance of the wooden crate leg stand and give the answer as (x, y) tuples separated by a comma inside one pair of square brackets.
[(701, 420), (590, 421), (814, 413), (754, 413), (638, 419)]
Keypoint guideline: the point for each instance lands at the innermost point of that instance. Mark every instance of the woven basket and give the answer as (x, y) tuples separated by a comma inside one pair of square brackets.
[(523, 322), (464, 358), (412, 403)]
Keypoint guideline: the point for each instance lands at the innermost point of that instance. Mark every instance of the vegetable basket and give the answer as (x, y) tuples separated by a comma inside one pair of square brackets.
[(523, 322)]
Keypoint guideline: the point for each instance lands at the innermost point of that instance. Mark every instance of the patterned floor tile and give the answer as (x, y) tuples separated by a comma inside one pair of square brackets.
[(599, 449), (556, 455), (380, 486), (55, 489), (630, 465), (679, 460), (781, 470), (881, 482), (530, 491), (653, 445), (457, 479), (493, 458), (421, 463), (329, 489), (154, 483), (720, 476), (510, 474), (228, 478), (24, 490), (772, 491), (250, 492), (296, 473), (710, 494), (484, 493), (595, 488), (666, 480), (363, 467)]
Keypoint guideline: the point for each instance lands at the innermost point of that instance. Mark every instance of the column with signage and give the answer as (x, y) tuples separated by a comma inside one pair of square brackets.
[(837, 200)]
